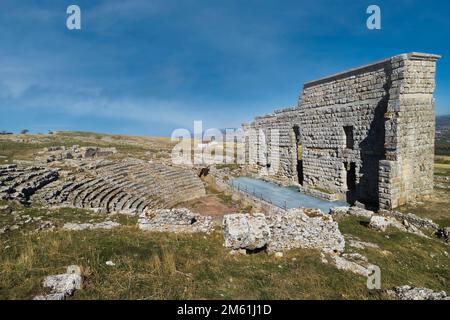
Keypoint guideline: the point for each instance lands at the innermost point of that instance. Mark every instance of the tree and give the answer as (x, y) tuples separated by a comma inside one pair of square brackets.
[(24, 131)]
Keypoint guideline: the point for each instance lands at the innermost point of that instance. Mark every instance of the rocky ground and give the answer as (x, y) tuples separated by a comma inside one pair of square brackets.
[(87, 216)]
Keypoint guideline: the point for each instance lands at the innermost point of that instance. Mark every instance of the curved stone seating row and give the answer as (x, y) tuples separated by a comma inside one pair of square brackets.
[(20, 183), (130, 186)]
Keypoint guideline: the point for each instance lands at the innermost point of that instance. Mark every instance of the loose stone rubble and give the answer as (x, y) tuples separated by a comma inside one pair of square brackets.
[(91, 226), (412, 293), (175, 220), (410, 218), (75, 152), (351, 211), (381, 223), (294, 229), (62, 285)]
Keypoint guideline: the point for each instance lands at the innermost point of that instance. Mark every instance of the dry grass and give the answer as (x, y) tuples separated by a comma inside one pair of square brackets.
[(436, 208), (167, 266)]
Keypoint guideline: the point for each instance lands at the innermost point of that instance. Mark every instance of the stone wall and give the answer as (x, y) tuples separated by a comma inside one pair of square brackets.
[(276, 159), (367, 134)]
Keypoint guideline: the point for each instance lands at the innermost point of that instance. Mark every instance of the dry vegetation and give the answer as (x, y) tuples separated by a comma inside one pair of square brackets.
[(169, 266)]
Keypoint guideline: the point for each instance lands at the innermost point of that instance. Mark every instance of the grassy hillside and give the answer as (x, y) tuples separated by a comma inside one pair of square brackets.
[(169, 266)]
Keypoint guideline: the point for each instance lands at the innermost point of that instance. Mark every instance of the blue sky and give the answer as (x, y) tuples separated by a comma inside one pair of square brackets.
[(149, 66)]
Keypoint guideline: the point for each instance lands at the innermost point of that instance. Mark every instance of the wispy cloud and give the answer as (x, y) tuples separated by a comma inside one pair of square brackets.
[(170, 62)]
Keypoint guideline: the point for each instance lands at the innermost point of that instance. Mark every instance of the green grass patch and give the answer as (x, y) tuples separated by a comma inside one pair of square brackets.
[(403, 258), (168, 266)]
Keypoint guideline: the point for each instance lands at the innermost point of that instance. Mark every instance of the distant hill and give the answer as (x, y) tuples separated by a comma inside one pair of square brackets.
[(443, 126), (442, 135)]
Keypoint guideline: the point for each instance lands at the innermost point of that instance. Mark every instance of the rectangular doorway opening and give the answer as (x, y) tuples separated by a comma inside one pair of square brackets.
[(298, 152), (351, 175)]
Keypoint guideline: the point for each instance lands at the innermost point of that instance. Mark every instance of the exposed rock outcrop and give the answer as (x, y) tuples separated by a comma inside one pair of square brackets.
[(175, 220), (91, 226), (62, 285), (412, 293), (381, 223)]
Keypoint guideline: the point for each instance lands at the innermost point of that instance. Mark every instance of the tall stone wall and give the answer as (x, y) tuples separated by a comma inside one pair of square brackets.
[(406, 173), (367, 134), (271, 144)]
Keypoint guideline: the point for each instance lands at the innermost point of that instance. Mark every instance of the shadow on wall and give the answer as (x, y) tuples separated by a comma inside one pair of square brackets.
[(372, 150), (298, 152)]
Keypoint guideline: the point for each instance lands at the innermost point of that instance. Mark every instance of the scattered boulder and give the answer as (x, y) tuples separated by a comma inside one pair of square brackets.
[(295, 229), (412, 293), (180, 220), (380, 223), (62, 285), (338, 211), (410, 219), (244, 231)]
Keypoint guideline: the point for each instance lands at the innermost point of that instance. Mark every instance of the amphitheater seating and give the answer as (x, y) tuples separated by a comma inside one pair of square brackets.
[(126, 186)]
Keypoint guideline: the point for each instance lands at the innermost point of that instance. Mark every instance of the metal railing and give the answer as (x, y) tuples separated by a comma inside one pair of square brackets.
[(244, 188)]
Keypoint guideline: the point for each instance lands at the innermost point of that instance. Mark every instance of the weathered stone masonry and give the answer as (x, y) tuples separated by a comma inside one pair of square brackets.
[(366, 134)]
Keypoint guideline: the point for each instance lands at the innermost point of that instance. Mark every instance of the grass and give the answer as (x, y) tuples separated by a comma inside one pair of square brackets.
[(404, 258), (437, 208), (167, 266), (442, 169), (11, 149), (442, 160), (442, 146)]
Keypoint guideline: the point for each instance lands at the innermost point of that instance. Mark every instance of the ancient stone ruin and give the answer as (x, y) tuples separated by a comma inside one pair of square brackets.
[(129, 186), (366, 134)]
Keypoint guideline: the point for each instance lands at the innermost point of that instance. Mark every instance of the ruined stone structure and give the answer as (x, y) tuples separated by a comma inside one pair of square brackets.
[(366, 134), (129, 186)]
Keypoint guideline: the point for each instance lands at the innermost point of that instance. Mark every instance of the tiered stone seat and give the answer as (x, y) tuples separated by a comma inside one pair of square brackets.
[(128, 186), (20, 183)]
